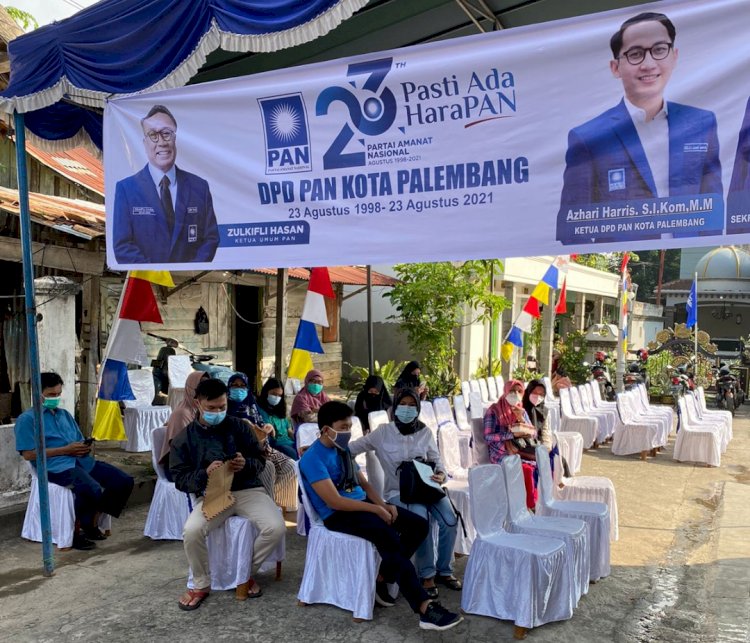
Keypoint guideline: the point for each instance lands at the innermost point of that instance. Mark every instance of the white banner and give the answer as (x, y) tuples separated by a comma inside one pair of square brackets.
[(535, 140)]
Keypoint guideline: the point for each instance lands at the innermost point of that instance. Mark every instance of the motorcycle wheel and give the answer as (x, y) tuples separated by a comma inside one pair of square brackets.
[(721, 403)]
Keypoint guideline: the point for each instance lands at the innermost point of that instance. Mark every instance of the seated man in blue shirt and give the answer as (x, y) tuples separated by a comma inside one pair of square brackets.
[(97, 487), (347, 503)]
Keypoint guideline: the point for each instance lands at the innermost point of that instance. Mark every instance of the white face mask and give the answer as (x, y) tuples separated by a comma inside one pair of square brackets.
[(273, 400), (513, 398), (536, 399)]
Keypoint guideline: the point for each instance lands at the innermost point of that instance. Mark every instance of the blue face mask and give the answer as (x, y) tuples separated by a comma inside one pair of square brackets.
[(342, 439), (273, 400), (407, 414), (212, 419), (237, 394)]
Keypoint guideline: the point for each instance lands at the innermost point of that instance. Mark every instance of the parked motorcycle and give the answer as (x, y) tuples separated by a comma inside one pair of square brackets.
[(633, 376), (600, 374), (199, 362), (728, 392)]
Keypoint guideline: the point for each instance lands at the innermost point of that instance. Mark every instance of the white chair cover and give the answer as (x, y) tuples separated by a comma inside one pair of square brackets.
[(588, 489), (594, 514), (550, 396), (704, 411), (139, 417), (522, 578), (492, 387), (443, 412), (635, 436), (450, 452), (377, 418), (476, 407), (586, 426), (350, 582), (427, 417), (716, 422), (656, 409), (466, 392), (306, 434), (62, 514), (484, 390), (610, 414), (230, 554), (178, 369), (458, 491), (500, 382), (462, 417), (571, 531), (474, 386), (596, 397), (571, 448), (605, 423), (169, 508), (296, 385), (553, 417), (356, 434), (660, 417), (699, 443), (480, 453)]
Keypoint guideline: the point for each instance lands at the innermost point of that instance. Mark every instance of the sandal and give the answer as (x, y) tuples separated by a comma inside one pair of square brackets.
[(195, 595), (243, 591), (431, 591), (451, 582)]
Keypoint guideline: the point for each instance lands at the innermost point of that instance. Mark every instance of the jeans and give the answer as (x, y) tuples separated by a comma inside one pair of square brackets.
[(104, 489), (395, 543), (447, 521)]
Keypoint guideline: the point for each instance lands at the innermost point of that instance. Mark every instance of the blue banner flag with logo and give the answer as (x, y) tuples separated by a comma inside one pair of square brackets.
[(692, 305)]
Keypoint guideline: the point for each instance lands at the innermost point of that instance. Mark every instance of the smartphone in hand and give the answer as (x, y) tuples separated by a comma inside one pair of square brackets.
[(89, 441)]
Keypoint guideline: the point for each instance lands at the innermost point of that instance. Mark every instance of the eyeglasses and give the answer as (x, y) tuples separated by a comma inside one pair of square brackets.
[(637, 55), (166, 135)]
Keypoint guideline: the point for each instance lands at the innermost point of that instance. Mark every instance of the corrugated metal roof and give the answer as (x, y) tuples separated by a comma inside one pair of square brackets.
[(80, 218), (77, 165), (347, 275)]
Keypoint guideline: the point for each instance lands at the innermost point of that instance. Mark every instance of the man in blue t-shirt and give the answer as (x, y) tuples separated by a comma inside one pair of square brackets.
[(347, 503), (97, 487)]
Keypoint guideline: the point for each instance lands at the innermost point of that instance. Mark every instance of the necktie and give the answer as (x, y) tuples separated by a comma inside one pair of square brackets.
[(166, 203)]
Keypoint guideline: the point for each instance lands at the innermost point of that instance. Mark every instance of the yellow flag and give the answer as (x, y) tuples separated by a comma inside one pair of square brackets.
[(108, 421), (541, 293), (300, 364), (506, 350), (159, 277)]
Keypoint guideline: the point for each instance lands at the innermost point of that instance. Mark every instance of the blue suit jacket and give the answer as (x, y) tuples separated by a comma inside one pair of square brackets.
[(738, 198), (140, 228), (605, 162)]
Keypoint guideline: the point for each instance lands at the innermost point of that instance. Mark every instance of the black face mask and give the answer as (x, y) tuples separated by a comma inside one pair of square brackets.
[(372, 398)]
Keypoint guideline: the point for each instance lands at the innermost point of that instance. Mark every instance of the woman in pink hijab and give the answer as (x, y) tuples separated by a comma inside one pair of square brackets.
[(183, 415), (309, 399), (504, 421)]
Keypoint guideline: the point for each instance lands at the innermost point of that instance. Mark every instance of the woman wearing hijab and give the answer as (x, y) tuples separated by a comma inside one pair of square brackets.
[(403, 440), (307, 402), (183, 415), (278, 476), (533, 404), (411, 378), (373, 397), (272, 406), (504, 423)]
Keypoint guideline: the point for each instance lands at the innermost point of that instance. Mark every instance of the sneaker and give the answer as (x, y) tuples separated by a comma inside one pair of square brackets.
[(382, 596), (82, 543), (436, 617)]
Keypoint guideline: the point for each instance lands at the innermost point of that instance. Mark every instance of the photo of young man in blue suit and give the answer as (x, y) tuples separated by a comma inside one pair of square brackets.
[(163, 214), (644, 147)]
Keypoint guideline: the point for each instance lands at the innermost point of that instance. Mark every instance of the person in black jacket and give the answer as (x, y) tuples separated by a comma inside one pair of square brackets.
[(373, 397), (204, 446)]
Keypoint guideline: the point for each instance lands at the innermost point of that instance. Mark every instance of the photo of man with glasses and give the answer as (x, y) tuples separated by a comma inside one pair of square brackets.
[(644, 147), (163, 214)]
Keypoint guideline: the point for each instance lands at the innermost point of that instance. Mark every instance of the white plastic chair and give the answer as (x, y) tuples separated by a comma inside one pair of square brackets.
[(462, 417), (594, 514), (571, 421), (139, 417), (62, 514), (571, 531), (178, 369), (350, 582), (521, 578), (588, 489), (697, 443), (169, 508)]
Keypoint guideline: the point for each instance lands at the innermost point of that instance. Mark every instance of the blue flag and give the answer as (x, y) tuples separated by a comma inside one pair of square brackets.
[(692, 305)]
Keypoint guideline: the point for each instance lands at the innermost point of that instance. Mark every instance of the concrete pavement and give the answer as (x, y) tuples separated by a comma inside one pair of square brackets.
[(680, 572)]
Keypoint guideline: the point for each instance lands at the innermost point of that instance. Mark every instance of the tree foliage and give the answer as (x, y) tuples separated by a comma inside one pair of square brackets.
[(430, 300), (607, 261), (23, 18)]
